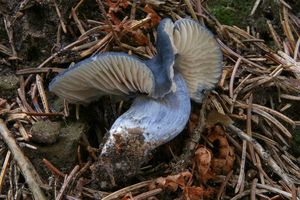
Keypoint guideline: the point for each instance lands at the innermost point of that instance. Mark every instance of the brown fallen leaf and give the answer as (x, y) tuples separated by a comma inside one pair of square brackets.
[(223, 160), (202, 159), (155, 18), (214, 117)]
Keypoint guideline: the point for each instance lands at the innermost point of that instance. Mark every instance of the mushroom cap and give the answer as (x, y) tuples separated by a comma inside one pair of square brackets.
[(199, 57), (162, 64), (104, 74)]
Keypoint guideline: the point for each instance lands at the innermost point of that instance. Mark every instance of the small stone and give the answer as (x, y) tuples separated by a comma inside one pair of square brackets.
[(8, 85), (45, 132), (63, 153)]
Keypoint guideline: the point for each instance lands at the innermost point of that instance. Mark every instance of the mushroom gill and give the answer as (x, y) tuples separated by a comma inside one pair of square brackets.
[(199, 57)]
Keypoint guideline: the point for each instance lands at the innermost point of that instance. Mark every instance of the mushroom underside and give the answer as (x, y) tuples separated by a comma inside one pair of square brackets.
[(110, 73), (199, 57)]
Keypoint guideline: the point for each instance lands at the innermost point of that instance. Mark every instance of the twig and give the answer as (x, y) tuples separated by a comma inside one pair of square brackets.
[(40, 87), (237, 64), (191, 10), (274, 35), (23, 131), (9, 31), (28, 170), (249, 127), (101, 7), (4, 169), (67, 183), (123, 191), (253, 189), (52, 168), (133, 10), (275, 190), (296, 50), (60, 17), (290, 97), (223, 186), (77, 21), (38, 71), (273, 121), (148, 194), (239, 56), (241, 178), (247, 192), (264, 155), (100, 44), (257, 2)]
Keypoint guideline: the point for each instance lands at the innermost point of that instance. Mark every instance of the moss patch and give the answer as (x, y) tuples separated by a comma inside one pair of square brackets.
[(231, 12)]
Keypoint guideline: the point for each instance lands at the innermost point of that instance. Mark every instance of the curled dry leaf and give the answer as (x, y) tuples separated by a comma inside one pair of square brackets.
[(154, 17), (183, 181), (215, 117), (137, 36), (223, 160), (116, 6), (196, 193), (172, 182), (202, 159)]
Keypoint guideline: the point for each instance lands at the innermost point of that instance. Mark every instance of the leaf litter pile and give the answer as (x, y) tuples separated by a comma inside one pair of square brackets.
[(240, 142)]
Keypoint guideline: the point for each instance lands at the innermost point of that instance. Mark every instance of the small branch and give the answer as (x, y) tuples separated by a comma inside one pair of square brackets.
[(28, 170)]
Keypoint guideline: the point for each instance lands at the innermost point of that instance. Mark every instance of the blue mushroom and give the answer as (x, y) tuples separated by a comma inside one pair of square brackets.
[(188, 62)]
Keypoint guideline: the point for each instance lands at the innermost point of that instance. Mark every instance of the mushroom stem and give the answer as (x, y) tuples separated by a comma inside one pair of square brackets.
[(135, 134)]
